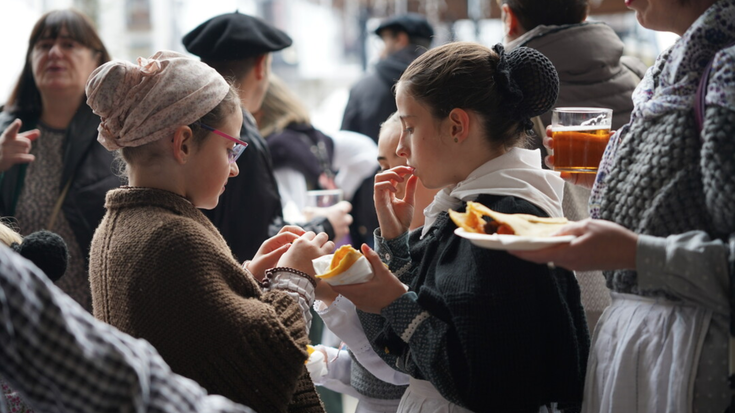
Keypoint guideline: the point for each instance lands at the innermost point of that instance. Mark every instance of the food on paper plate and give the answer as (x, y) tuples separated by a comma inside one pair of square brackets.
[(483, 220), (346, 266)]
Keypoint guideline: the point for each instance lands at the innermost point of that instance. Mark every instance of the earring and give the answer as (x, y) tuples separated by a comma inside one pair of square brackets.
[(456, 140)]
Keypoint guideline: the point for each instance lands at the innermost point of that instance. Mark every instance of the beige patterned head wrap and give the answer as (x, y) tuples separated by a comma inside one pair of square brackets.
[(144, 103)]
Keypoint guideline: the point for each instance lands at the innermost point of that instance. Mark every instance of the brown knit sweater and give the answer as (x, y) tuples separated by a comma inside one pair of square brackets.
[(159, 270)]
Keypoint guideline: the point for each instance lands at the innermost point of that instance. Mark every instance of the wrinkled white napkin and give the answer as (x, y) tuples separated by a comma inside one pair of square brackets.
[(359, 272), (316, 365)]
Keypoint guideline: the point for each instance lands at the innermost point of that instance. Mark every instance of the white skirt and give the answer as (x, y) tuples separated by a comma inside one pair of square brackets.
[(643, 356)]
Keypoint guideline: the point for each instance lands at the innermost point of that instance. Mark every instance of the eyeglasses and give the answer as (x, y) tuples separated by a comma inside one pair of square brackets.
[(236, 151)]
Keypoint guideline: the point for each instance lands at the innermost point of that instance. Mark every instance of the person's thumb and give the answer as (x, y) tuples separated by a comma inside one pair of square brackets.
[(372, 258)]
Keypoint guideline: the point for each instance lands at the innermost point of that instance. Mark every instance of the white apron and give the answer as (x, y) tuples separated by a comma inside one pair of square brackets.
[(635, 361)]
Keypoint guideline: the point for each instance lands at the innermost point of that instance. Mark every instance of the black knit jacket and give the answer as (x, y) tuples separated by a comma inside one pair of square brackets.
[(502, 334)]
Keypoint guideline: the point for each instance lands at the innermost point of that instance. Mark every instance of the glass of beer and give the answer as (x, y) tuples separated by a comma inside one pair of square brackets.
[(580, 137)]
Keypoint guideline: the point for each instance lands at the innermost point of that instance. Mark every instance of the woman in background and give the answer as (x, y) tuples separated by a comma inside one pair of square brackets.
[(54, 175)]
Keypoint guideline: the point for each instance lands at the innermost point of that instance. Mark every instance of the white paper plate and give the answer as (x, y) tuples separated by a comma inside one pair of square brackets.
[(512, 242)]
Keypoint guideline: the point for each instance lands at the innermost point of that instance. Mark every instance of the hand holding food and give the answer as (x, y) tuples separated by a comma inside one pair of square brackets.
[(379, 292), (483, 220), (346, 266)]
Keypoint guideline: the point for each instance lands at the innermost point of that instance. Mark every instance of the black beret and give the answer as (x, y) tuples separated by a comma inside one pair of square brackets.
[(234, 36), (415, 25)]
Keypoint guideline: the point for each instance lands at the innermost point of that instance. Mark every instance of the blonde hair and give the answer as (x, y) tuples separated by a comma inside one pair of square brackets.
[(280, 108), (8, 235), (394, 118)]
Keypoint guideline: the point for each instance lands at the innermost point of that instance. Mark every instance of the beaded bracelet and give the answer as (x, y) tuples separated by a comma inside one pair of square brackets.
[(271, 272)]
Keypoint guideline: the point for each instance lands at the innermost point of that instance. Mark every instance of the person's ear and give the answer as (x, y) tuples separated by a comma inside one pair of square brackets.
[(182, 144), (513, 27), (459, 125), (261, 66)]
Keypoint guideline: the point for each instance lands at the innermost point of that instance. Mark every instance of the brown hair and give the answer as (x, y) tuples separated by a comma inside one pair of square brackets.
[(532, 13), (215, 118), (25, 97), (280, 108), (462, 75)]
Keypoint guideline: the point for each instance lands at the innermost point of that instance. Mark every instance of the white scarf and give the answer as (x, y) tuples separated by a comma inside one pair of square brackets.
[(516, 173)]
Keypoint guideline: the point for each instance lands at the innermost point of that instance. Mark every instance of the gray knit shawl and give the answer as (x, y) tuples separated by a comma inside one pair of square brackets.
[(665, 181)]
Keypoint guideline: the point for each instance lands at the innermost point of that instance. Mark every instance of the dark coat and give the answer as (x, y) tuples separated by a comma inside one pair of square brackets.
[(305, 149), (250, 210), (371, 99), (86, 162)]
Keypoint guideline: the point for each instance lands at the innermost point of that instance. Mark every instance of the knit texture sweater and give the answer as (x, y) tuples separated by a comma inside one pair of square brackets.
[(159, 270), (490, 331)]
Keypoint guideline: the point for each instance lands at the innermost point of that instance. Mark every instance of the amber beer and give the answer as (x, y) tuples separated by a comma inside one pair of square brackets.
[(579, 149), (580, 136)]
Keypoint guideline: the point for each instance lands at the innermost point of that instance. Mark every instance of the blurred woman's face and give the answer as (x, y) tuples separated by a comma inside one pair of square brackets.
[(62, 64), (665, 15)]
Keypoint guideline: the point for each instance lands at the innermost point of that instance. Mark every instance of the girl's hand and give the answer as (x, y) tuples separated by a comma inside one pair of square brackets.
[(586, 180), (15, 147), (600, 245), (376, 294), (304, 249), (272, 249), (394, 214)]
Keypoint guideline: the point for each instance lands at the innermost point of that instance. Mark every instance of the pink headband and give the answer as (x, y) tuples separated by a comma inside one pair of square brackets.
[(144, 103)]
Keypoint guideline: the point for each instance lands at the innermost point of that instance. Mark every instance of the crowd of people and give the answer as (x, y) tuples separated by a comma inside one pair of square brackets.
[(157, 246)]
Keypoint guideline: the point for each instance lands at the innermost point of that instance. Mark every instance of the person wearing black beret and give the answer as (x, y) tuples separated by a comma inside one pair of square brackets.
[(239, 47)]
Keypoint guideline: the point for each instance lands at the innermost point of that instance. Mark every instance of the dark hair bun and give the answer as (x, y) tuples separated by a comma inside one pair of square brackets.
[(532, 75), (47, 251)]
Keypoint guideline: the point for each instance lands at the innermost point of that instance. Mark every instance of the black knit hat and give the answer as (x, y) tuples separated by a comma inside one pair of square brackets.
[(413, 24), (528, 81), (234, 36)]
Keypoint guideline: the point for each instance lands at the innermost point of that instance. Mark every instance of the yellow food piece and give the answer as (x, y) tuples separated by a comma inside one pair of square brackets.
[(310, 349), (341, 261), (522, 224)]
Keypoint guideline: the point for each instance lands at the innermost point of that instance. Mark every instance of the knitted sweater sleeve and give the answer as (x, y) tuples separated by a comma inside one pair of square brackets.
[(213, 324)]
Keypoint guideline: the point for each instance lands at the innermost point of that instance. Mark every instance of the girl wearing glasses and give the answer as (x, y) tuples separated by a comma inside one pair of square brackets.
[(159, 269)]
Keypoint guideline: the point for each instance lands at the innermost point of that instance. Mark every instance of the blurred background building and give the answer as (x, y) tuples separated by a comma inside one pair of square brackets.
[(333, 40)]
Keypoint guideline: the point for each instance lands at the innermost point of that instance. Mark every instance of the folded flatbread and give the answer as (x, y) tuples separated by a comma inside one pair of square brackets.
[(346, 266), (483, 220)]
